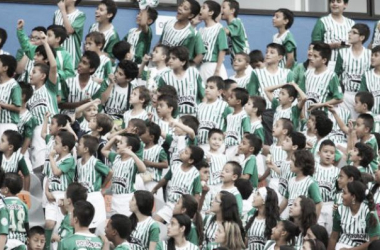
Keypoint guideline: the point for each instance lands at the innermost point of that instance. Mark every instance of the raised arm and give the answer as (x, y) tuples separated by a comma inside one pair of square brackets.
[(52, 62), (269, 90)]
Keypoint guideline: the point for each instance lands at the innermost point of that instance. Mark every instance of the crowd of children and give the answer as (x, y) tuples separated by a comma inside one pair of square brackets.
[(130, 139)]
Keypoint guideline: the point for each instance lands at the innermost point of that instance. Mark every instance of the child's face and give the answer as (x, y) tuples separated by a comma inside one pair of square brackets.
[(295, 209), (133, 205), (80, 147), (310, 51), (175, 63), (58, 147), (337, 6), (360, 128), (37, 76), (4, 144), (228, 92), (327, 155), (184, 11), (53, 127), (240, 63), (354, 36), (226, 10), (3, 69), (279, 20), (204, 174), (354, 155), (195, 21), (211, 92), (101, 14), (178, 207), (205, 12), (316, 60), (277, 129), (287, 144), (92, 123), (284, 97), (232, 101), (216, 140), (39, 58), (343, 179), (146, 137), (244, 147), (142, 18), (90, 45), (359, 107), (220, 235), (51, 39), (185, 155), (276, 231), (311, 123), (258, 200), (122, 144), (174, 228), (215, 205), (375, 59), (272, 56), (249, 107), (157, 55), (135, 97), (84, 66), (36, 242), (90, 112), (35, 38), (153, 99), (120, 76), (163, 109), (227, 174), (109, 230)]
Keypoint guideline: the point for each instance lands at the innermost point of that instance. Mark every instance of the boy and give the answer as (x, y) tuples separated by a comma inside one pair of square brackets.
[(283, 21), (212, 113), (18, 211), (255, 108), (12, 160), (361, 157), (10, 94), (208, 194), (104, 15), (122, 51), (240, 64), (81, 219), (352, 63), (238, 122), (140, 38), (82, 88), (229, 85), (250, 146), (100, 125), (36, 238), (118, 230), (125, 165), (140, 99), (256, 59), (73, 20), (3, 39), (166, 109), (230, 173), (238, 41)]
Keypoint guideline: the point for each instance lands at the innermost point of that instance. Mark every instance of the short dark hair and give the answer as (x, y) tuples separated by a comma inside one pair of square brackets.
[(323, 124), (59, 32), (366, 97), (43, 68), (90, 142), (122, 224), (154, 130), (120, 49), (363, 30), (93, 58), (234, 5), (42, 51), (278, 47), (36, 230), (10, 62), (236, 167), (168, 90), (291, 90), (3, 37), (256, 56), (324, 51), (27, 90), (367, 120), (326, 143), (105, 122), (298, 139), (245, 188), (40, 29), (190, 121), (130, 69), (366, 153), (228, 83), (133, 141), (13, 182), (287, 124), (165, 50), (76, 192), (304, 159), (14, 138), (197, 155), (244, 55), (139, 124), (77, 2), (215, 131), (288, 15), (111, 8), (98, 38), (376, 49), (241, 94), (67, 138), (152, 14), (84, 211), (254, 142), (195, 7), (217, 80), (182, 53), (202, 164), (144, 94), (259, 103), (213, 6), (61, 119), (170, 101)]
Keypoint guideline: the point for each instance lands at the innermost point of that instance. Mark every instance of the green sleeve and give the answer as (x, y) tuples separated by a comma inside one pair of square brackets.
[(47, 138), (78, 24), (140, 152), (168, 175), (161, 82), (222, 40), (246, 125), (302, 84), (113, 40), (260, 133), (19, 55), (334, 88), (112, 156), (159, 246), (23, 167), (107, 70), (154, 233), (297, 71), (201, 89), (26, 209), (234, 29), (101, 168), (290, 77), (189, 41), (296, 113), (253, 85), (26, 46), (251, 169), (338, 155), (163, 156), (199, 47), (339, 65), (363, 84), (169, 139), (143, 46), (290, 44), (4, 217), (226, 112), (318, 32), (16, 96), (29, 127), (239, 201), (315, 193), (67, 69), (275, 103), (197, 186), (193, 236), (51, 86), (336, 222), (67, 165), (374, 230)]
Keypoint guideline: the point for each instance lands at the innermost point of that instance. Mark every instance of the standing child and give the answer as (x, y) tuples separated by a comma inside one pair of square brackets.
[(166, 110), (240, 65), (255, 108), (118, 231), (256, 59), (139, 99), (250, 146)]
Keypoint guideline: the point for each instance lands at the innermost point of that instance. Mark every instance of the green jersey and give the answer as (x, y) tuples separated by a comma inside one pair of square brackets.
[(123, 246), (65, 230), (145, 232), (128, 115), (278, 156), (237, 37), (193, 235), (67, 166), (299, 72), (210, 228), (10, 93), (18, 218), (50, 143), (216, 163), (4, 218), (91, 173), (371, 83), (372, 142), (211, 115), (357, 229), (15, 163), (250, 167), (124, 174), (307, 187), (190, 89), (255, 235), (215, 40), (376, 35), (155, 154), (237, 125), (242, 82), (111, 36), (351, 68), (181, 182), (285, 175), (290, 45), (328, 30), (326, 177), (199, 48), (292, 113), (80, 241), (140, 43), (336, 134), (104, 69), (163, 245), (26, 124), (118, 102), (73, 42), (258, 130), (173, 37)]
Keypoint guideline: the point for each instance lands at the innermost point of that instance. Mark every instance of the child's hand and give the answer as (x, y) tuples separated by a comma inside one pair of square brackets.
[(331, 108), (97, 102), (106, 243), (111, 78), (20, 24), (208, 158), (146, 58), (47, 116), (61, 6), (52, 153), (97, 79), (205, 189), (55, 238), (350, 126)]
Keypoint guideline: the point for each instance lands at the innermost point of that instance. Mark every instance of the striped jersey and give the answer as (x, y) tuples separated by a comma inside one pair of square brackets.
[(181, 182), (15, 163), (211, 115), (64, 64), (376, 35), (376, 193), (25, 75), (336, 134), (18, 218), (81, 241), (145, 232), (328, 30), (269, 245), (371, 83), (163, 245), (140, 43), (111, 36), (351, 68), (242, 82), (152, 76), (118, 102), (128, 115), (258, 130), (237, 125), (67, 166), (210, 227), (104, 69), (237, 37), (215, 40), (155, 154), (292, 113), (190, 89), (216, 163), (285, 175), (84, 126), (173, 37), (373, 144), (290, 45), (124, 174), (73, 42), (255, 235), (10, 93), (278, 156), (90, 174), (307, 187), (326, 178), (26, 124)]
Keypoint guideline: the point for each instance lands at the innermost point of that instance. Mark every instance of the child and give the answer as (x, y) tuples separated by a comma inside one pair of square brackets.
[(139, 99), (199, 48), (182, 178), (104, 15), (238, 122), (256, 59), (118, 231), (81, 219), (10, 94), (141, 37), (12, 160), (207, 195), (284, 234), (352, 63), (326, 175), (250, 146), (93, 175), (18, 211), (238, 41), (73, 20), (283, 21), (230, 173), (82, 88), (361, 157), (166, 109), (83, 115), (283, 105), (116, 98), (3, 39), (240, 64), (100, 125), (255, 108), (125, 165), (229, 85), (186, 80), (122, 51), (215, 39), (36, 238), (212, 113)]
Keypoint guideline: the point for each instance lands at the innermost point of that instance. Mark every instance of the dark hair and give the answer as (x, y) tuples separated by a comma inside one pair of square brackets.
[(183, 221), (154, 130), (278, 47), (122, 224), (98, 38), (182, 53), (145, 203), (111, 8), (213, 6), (374, 245), (59, 32), (105, 122), (43, 68), (366, 153), (84, 211), (168, 90), (195, 7), (287, 125), (152, 14), (363, 30), (93, 58), (40, 50), (259, 103), (304, 159), (298, 139), (288, 15), (254, 142), (139, 124), (190, 121), (327, 142), (245, 188), (144, 95), (133, 141), (40, 29), (291, 90), (367, 120), (2, 176), (14, 139), (324, 51), (241, 94), (320, 233), (27, 90), (215, 131), (367, 178), (202, 164), (256, 56), (286, 247), (309, 213), (292, 231), (10, 62), (236, 168), (217, 80), (3, 37), (170, 101), (233, 5), (90, 142), (315, 244), (120, 49), (366, 97), (36, 230), (197, 155), (245, 55), (61, 119), (351, 172), (76, 192), (67, 138), (191, 205), (13, 182), (272, 213), (323, 124), (130, 69), (229, 209), (165, 50), (376, 49)]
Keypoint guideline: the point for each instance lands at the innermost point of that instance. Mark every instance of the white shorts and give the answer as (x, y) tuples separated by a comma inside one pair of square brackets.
[(208, 69), (166, 212), (326, 216), (349, 103), (38, 148), (120, 204), (52, 211), (7, 126), (97, 200)]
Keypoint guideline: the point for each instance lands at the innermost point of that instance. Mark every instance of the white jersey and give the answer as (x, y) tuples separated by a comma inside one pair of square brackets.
[(210, 39), (142, 234), (173, 37), (236, 127), (153, 75), (255, 235), (336, 134), (101, 70), (326, 178), (242, 82), (278, 156), (128, 115), (371, 83), (217, 162)]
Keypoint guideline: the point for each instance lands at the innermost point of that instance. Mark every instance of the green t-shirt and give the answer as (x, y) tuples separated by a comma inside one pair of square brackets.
[(4, 218), (238, 40), (215, 40), (146, 231), (65, 230), (292, 113), (199, 47), (193, 235), (124, 174), (18, 218), (91, 173), (67, 166), (140, 43), (287, 40), (80, 241), (10, 93), (250, 167)]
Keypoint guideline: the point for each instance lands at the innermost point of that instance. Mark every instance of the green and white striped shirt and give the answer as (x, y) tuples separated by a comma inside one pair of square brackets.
[(15, 163), (371, 83), (91, 173), (285, 175), (307, 187), (210, 228), (258, 130), (237, 38), (67, 166), (242, 82), (163, 245), (10, 93), (326, 178), (111, 36), (173, 37), (18, 217), (372, 142), (217, 162), (140, 43), (278, 156), (145, 232), (81, 241), (237, 125), (336, 134), (26, 124), (152, 76), (118, 101), (104, 69), (129, 116), (255, 235), (215, 40), (292, 113), (124, 174), (155, 154), (290, 45), (50, 143)]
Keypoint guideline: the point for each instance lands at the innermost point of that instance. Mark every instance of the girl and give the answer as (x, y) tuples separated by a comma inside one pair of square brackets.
[(265, 218), (355, 223), (303, 213), (313, 245), (229, 236), (145, 231), (317, 232), (178, 229), (188, 205), (283, 234), (347, 174), (224, 208)]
